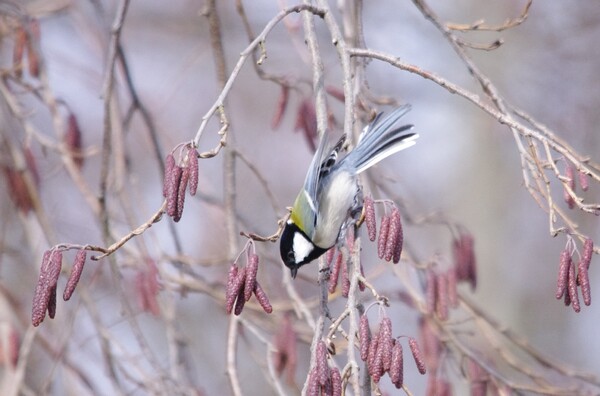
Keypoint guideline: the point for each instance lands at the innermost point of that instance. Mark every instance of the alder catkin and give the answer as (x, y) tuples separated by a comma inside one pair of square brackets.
[(384, 228), (335, 271), (584, 181), (441, 299), (416, 352), (572, 286), (193, 167), (183, 182), (588, 251), (75, 275), (397, 366), (262, 298), (584, 281), (321, 364), (563, 273), (386, 343), (169, 165), (251, 272), (336, 382), (364, 336), (370, 218)]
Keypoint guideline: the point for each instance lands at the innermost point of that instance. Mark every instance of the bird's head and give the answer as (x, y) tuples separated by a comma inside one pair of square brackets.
[(296, 248)]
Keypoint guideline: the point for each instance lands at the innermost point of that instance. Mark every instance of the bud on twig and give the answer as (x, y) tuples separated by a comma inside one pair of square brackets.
[(584, 181)]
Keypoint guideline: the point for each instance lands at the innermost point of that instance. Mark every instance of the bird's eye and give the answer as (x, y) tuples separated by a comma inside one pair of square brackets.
[(291, 255)]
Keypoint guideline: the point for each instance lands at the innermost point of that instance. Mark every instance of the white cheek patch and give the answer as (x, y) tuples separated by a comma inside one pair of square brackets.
[(302, 247)]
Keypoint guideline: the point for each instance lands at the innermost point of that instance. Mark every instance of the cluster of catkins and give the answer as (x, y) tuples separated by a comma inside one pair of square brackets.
[(391, 236), (177, 179), (383, 353), (44, 298), (570, 175), (440, 292), (322, 379), (338, 264), (568, 280), (242, 283), (441, 286)]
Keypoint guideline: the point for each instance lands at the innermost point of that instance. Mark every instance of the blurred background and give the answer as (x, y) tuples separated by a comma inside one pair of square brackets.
[(465, 167)]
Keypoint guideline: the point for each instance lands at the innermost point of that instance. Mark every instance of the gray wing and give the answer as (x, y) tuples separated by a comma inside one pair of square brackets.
[(311, 184)]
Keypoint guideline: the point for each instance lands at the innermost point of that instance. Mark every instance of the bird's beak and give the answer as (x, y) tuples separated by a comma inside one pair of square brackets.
[(294, 271)]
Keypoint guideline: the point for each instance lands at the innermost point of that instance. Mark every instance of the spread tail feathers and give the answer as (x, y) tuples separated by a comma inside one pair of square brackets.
[(379, 140)]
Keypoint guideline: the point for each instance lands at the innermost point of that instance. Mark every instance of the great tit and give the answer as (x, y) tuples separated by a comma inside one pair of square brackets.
[(331, 196)]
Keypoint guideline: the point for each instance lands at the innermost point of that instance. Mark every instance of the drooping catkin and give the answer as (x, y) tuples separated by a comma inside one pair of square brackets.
[(395, 229), (321, 364), (397, 366), (262, 298), (173, 190), (383, 235), (235, 282), (251, 272), (588, 251), (386, 342), (364, 336), (416, 352), (441, 299), (183, 183), (584, 281), (193, 166), (370, 219), (75, 275), (336, 382), (572, 287), (563, 273), (169, 165), (335, 271)]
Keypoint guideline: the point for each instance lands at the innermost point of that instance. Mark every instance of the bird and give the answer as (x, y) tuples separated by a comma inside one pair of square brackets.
[(331, 196)]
